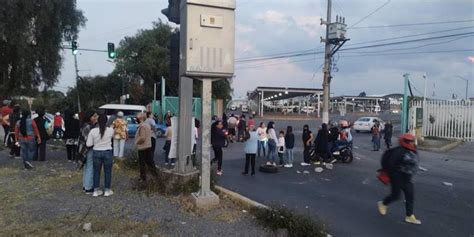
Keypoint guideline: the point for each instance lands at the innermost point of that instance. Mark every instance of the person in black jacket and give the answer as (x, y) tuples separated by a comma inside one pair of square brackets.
[(42, 124), (71, 135), (388, 131), (218, 142), (333, 135), (242, 128), (322, 142), (289, 145)]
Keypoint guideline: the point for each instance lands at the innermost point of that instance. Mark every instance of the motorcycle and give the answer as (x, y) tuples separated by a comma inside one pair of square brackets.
[(343, 153)]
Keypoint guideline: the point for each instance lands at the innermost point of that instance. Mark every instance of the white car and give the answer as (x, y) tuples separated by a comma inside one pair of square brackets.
[(245, 109), (366, 123), (233, 108)]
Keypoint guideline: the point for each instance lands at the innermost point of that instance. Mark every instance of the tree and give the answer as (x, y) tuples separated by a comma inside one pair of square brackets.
[(31, 37), (362, 94)]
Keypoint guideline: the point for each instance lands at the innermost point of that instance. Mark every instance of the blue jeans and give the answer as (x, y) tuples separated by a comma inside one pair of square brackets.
[(376, 142), (271, 150), (28, 149), (289, 156), (102, 158), (88, 173), (261, 146)]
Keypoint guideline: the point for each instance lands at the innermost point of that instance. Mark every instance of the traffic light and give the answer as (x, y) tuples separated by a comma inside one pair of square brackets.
[(111, 50), (172, 12), (174, 56), (74, 47)]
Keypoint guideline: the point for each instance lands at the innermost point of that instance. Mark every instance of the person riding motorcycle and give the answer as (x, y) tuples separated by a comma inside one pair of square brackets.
[(333, 134), (345, 136)]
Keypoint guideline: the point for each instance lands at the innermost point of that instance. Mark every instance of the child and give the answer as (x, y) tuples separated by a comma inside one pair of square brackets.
[(251, 146), (281, 147), (289, 145)]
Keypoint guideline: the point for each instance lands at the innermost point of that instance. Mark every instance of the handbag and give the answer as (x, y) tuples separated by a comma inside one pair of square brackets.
[(383, 176)]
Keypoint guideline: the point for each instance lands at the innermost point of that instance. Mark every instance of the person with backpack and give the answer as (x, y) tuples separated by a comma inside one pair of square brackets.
[(42, 125), (27, 136), (375, 130), (401, 165), (289, 145), (388, 131), (251, 146)]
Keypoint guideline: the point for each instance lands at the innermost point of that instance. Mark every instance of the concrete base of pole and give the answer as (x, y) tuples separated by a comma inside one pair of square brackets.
[(175, 180), (205, 201)]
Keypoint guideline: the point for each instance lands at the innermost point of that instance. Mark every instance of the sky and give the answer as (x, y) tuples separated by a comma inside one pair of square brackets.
[(268, 27)]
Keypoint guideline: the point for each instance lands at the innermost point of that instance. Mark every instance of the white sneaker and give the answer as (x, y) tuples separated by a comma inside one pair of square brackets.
[(305, 164), (108, 192), (269, 163), (288, 166), (274, 164), (97, 193)]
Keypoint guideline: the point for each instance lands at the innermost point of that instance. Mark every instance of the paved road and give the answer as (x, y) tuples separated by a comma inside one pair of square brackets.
[(346, 196)]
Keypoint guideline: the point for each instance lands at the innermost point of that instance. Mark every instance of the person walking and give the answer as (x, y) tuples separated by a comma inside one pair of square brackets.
[(4, 112), (58, 123), (281, 148), (224, 122), (375, 130), (71, 135), (388, 131), (251, 147), (401, 163), (143, 143), (218, 142), (120, 135), (272, 142), (89, 123), (27, 135), (232, 123), (262, 138), (42, 125), (150, 119), (13, 118), (307, 142), (242, 128), (322, 143), (100, 138), (289, 145)]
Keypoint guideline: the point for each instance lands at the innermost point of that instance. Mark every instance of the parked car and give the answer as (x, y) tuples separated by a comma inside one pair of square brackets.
[(132, 125), (366, 123), (245, 109), (233, 108)]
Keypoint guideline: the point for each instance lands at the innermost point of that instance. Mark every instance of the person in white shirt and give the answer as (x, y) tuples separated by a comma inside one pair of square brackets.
[(281, 147), (272, 140), (262, 138), (100, 139)]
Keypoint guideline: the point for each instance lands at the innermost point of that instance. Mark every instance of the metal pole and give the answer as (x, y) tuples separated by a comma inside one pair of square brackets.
[(77, 84), (163, 94), (261, 114), (404, 125), (185, 130), (327, 70), (467, 88)]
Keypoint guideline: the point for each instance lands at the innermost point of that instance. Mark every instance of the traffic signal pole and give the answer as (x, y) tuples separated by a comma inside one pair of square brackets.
[(77, 84), (327, 69)]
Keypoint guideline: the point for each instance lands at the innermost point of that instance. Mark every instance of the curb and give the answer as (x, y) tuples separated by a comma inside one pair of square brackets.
[(239, 198), (444, 148)]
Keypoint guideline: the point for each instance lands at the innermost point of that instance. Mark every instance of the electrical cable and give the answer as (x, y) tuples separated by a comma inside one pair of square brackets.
[(414, 24), (370, 14)]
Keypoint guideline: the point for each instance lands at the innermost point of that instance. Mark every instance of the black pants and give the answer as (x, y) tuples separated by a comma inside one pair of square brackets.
[(71, 152), (14, 149), (6, 128), (388, 142), (401, 182), (167, 150), (40, 153), (306, 153), (250, 158), (218, 156), (145, 159)]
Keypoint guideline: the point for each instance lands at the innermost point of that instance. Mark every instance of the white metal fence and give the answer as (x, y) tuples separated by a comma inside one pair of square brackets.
[(447, 119)]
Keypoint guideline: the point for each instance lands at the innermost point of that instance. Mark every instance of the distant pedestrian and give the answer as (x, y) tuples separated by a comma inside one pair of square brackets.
[(401, 163), (151, 121), (169, 137), (71, 135), (307, 142), (242, 128), (89, 123), (100, 138), (289, 145), (218, 142), (322, 143), (58, 123), (120, 135), (112, 118), (27, 136), (42, 125), (143, 143), (251, 146), (272, 143), (251, 122), (281, 147), (14, 117), (375, 130), (224, 122), (232, 123), (4, 112), (388, 132), (167, 117), (262, 138)]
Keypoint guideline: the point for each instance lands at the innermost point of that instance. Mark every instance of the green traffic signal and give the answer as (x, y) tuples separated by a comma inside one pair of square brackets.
[(74, 47), (111, 50)]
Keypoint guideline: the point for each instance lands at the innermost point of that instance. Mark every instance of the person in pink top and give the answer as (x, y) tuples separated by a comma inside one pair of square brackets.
[(251, 122)]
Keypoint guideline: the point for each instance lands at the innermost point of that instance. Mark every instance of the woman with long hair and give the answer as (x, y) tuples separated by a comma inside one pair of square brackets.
[(71, 134), (262, 138), (89, 122), (289, 145), (27, 135), (218, 142), (272, 142), (100, 138)]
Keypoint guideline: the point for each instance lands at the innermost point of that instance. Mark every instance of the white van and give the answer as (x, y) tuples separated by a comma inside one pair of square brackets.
[(126, 109), (245, 109)]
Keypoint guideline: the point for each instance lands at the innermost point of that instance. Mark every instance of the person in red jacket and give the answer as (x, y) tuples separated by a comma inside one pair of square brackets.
[(4, 112), (27, 136), (58, 124)]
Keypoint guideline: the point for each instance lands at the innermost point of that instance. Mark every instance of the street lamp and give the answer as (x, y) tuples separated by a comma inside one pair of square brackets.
[(467, 84)]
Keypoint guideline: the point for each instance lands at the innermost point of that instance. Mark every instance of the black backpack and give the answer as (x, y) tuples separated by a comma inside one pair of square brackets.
[(387, 161)]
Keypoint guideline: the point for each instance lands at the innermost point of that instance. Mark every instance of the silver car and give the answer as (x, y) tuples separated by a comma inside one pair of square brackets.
[(365, 124)]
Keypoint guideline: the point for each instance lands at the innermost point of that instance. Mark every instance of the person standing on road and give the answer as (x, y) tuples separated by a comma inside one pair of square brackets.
[(218, 142), (281, 148), (307, 141), (42, 125), (120, 135), (224, 122), (232, 123), (89, 122), (333, 135), (262, 138), (4, 112), (289, 145), (388, 132), (27, 135), (100, 138), (272, 143), (71, 135), (151, 122), (251, 146), (322, 143), (251, 123), (143, 143), (169, 136), (13, 118), (58, 123), (242, 128), (375, 130), (401, 165)]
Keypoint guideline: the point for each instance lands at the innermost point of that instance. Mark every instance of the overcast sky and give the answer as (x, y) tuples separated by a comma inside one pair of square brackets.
[(266, 27)]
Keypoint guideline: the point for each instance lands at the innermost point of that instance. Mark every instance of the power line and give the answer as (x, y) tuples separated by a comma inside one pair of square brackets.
[(414, 24), (370, 14), (407, 53), (317, 69)]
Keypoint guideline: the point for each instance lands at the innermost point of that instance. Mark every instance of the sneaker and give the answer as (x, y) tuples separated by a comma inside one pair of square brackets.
[(287, 166), (108, 192), (382, 208), (269, 163), (305, 164), (274, 164), (412, 219), (89, 191), (172, 164), (219, 173), (28, 165), (97, 193)]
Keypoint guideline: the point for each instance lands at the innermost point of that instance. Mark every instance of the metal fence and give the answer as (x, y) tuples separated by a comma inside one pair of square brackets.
[(447, 119), (171, 103)]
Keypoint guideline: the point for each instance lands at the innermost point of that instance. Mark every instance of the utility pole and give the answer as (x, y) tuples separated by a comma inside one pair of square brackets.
[(77, 84), (327, 70)]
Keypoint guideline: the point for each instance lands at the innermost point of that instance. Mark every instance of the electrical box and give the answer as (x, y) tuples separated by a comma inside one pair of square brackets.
[(207, 38), (336, 31)]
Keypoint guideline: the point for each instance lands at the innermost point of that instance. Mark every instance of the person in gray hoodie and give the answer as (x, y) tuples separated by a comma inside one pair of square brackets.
[(251, 147)]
